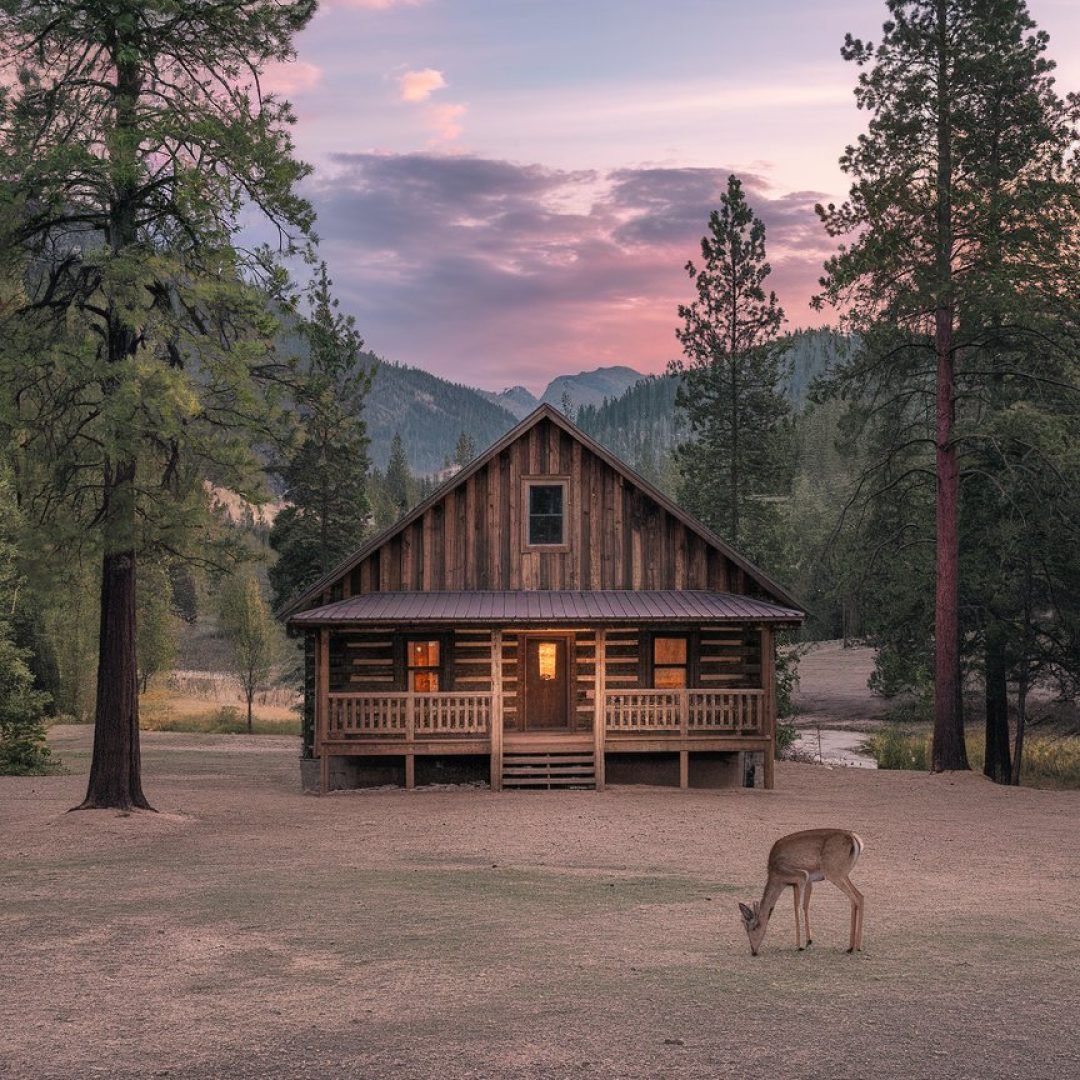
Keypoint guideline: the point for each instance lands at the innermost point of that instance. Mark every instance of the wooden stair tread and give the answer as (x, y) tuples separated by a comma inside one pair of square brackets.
[(577, 770), (535, 768), (544, 759)]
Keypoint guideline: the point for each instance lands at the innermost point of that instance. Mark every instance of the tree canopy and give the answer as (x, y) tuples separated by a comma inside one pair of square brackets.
[(139, 360)]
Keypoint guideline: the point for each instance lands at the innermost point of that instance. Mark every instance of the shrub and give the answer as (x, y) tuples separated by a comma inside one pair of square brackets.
[(786, 734), (23, 748), (894, 673)]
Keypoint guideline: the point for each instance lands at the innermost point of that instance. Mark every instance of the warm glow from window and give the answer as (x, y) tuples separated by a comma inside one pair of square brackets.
[(423, 663), (547, 654), (424, 654), (425, 682), (669, 678), (669, 650), (669, 663)]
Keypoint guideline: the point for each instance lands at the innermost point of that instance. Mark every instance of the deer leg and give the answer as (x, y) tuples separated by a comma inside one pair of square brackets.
[(856, 897), (801, 889), (806, 911)]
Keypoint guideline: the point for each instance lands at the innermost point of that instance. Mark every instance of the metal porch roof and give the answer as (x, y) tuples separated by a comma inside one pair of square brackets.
[(547, 607)]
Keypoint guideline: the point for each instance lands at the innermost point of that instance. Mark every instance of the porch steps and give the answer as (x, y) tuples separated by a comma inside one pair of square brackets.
[(549, 770)]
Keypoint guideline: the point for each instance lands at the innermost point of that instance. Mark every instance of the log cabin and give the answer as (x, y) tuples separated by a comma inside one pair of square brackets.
[(546, 618)]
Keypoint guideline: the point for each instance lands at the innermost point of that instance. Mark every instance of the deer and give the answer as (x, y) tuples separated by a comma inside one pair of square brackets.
[(799, 860)]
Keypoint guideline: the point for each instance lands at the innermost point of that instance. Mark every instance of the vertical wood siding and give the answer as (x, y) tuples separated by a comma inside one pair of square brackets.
[(617, 536)]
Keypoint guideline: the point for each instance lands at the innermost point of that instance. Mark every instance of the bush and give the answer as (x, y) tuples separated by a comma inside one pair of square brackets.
[(787, 680), (894, 673), (786, 734), (24, 751), (23, 747)]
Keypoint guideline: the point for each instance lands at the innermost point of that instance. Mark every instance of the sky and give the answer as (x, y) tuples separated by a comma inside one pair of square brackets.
[(508, 190)]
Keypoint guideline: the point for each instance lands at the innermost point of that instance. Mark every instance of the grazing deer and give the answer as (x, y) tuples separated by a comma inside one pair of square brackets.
[(799, 860)]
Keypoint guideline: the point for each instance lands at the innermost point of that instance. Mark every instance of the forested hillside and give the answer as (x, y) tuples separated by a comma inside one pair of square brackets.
[(430, 414), (641, 424)]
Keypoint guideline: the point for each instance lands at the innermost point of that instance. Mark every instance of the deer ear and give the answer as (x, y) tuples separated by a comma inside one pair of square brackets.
[(747, 914)]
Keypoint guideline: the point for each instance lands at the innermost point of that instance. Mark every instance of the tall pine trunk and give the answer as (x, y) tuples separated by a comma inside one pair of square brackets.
[(115, 773), (949, 751), (997, 765), (116, 770)]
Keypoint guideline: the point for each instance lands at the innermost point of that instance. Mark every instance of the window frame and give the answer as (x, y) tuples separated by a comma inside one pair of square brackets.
[(444, 670), (649, 665), (527, 484)]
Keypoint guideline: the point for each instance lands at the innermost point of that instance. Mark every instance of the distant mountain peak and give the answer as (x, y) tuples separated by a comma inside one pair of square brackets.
[(591, 387), (515, 399)]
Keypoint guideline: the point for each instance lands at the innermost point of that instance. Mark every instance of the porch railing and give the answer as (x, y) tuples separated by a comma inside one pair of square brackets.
[(408, 715), (731, 712)]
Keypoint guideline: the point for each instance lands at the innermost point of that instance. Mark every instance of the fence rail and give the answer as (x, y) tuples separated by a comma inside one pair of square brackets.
[(409, 715), (731, 712)]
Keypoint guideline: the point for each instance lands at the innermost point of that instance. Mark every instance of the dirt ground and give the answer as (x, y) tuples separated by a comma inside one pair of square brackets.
[(249, 931), (832, 689)]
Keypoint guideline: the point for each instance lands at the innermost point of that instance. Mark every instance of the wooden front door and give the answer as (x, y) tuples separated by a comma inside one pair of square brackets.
[(547, 683)]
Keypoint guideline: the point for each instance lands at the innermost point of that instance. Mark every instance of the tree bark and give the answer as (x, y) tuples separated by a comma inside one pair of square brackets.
[(1021, 723), (115, 773), (949, 751), (115, 770), (997, 765)]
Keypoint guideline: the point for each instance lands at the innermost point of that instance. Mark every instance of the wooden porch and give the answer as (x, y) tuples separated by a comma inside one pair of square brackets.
[(623, 720)]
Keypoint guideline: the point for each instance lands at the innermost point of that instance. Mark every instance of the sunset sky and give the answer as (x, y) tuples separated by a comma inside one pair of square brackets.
[(509, 189)]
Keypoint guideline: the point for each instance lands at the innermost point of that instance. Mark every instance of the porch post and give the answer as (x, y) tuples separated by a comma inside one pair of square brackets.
[(684, 728), (600, 709), (496, 710), (768, 703), (410, 740), (322, 705)]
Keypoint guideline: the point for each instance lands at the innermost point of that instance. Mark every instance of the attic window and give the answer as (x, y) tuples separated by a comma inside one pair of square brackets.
[(545, 513)]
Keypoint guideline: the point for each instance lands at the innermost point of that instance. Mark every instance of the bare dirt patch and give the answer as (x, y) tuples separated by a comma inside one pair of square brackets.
[(249, 931), (832, 689)]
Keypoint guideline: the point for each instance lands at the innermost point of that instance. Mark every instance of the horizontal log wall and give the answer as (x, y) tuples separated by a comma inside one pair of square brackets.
[(362, 661), (617, 537), (367, 661), (729, 658)]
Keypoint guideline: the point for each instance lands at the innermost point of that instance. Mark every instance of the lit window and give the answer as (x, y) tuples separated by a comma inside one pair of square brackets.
[(546, 505), (547, 653), (422, 659), (669, 663)]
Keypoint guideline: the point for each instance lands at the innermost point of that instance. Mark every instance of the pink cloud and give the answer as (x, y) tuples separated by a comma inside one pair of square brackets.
[(420, 85), (292, 78), (371, 5), (444, 120)]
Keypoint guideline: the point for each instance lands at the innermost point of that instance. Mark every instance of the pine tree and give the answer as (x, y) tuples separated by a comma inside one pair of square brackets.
[(961, 207), (465, 450), (399, 479), (326, 474), (133, 137), (735, 458)]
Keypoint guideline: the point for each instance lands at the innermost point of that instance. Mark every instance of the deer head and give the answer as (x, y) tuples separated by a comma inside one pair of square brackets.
[(755, 925)]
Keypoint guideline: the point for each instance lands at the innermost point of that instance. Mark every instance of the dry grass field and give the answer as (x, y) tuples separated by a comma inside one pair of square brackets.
[(249, 931)]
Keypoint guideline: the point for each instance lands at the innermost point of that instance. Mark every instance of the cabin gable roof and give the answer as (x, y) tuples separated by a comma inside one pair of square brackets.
[(693, 531)]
